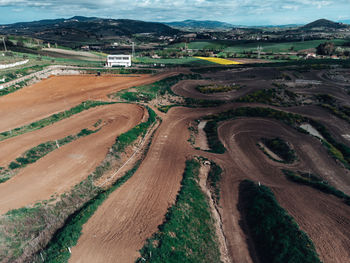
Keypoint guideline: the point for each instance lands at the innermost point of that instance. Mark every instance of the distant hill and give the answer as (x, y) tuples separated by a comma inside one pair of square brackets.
[(196, 24), (346, 21), (84, 29), (323, 24)]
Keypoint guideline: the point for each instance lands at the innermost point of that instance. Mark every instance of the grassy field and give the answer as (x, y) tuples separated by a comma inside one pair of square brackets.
[(279, 47), (239, 47)]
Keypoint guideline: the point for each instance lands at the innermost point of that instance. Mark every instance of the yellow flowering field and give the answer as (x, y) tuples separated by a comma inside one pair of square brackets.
[(221, 61)]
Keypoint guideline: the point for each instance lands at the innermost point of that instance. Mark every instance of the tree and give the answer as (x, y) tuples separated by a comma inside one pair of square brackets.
[(326, 48)]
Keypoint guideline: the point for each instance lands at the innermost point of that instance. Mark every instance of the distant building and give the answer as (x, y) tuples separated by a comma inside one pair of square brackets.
[(85, 48), (118, 60), (311, 55)]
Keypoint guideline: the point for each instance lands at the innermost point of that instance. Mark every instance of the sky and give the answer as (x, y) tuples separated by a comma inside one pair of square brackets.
[(238, 12)]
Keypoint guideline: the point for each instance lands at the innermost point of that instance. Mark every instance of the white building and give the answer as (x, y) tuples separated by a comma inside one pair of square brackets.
[(118, 60)]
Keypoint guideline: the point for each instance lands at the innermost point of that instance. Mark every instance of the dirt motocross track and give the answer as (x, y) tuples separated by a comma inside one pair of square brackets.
[(132, 213), (60, 93), (58, 171)]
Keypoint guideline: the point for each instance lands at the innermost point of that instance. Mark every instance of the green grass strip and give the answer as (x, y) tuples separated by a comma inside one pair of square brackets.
[(188, 234), (276, 236), (52, 119), (316, 183)]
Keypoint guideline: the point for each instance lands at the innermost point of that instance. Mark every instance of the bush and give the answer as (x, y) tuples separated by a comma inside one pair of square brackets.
[(14, 165), (276, 236), (214, 177), (280, 148), (214, 143)]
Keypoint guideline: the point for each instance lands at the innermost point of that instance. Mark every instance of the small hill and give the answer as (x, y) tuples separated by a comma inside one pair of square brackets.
[(80, 29), (197, 25), (323, 24)]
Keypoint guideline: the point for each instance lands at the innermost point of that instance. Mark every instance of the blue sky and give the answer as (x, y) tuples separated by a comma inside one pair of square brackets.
[(240, 12)]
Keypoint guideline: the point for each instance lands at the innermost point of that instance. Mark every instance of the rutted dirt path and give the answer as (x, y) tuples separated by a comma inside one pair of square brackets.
[(133, 212), (61, 169), (324, 218), (60, 93)]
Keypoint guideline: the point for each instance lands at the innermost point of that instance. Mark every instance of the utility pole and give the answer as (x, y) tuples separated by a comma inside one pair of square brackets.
[(3, 41), (133, 49), (259, 48)]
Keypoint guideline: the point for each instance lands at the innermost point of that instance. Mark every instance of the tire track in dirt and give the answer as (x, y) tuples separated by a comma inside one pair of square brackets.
[(15, 146), (133, 212), (324, 218), (61, 169), (60, 93)]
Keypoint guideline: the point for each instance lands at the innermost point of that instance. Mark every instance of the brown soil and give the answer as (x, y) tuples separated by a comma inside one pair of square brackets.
[(133, 212), (58, 171), (324, 218), (60, 93)]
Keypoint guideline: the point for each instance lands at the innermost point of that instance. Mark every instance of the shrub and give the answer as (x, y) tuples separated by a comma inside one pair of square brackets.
[(276, 236), (280, 148)]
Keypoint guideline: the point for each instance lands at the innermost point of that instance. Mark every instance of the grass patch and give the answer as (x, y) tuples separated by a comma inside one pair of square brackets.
[(276, 236), (276, 97), (51, 119), (188, 234), (280, 148), (130, 136), (214, 177), (149, 92), (317, 183), (214, 142), (216, 89)]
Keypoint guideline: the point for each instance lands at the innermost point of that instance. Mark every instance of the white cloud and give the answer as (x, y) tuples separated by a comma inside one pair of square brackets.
[(241, 11)]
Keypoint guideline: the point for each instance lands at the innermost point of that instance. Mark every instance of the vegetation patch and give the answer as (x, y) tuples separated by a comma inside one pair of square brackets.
[(276, 97), (214, 142), (217, 88), (332, 105), (52, 119), (276, 236), (280, 148), (213, 180), (315, 182), (188, 234), (150, 92)]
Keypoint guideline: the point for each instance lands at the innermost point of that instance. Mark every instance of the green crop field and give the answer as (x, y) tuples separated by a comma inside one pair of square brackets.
[(280, 47)]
